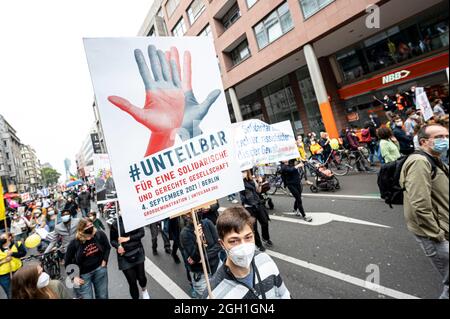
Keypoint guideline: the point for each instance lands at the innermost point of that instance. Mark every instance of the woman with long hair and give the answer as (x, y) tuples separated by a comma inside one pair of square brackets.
[(90, 252), (31, 282)]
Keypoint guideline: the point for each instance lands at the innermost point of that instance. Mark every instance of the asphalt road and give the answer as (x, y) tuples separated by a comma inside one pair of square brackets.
[(350, 240)]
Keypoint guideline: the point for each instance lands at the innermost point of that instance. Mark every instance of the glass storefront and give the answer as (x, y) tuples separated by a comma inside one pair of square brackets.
[(418, 36), (358, 108), (310, 100), (280, 103), (251, 107)]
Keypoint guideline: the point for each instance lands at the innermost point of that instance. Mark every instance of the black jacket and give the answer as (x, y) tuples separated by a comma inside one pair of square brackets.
[(84, 200), (190, 246), (135, 236), (249, 196), (291, 175), (405, 141)]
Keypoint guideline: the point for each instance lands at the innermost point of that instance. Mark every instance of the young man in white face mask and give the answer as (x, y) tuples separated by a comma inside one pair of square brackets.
[(246, 274)]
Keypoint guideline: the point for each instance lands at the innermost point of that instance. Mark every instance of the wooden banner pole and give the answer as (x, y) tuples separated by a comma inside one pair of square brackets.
[(6, 232), (200, 249)]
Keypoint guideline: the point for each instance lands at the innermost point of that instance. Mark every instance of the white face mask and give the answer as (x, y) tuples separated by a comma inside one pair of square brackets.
[(242, 255), (51, 212), (65, 218), (43, 280)]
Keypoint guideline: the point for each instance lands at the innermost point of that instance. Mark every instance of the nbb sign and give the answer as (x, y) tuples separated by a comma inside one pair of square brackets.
[(395, 76)]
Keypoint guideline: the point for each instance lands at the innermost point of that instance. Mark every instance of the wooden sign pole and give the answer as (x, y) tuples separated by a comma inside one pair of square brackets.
[(200, 249), (6, 232)]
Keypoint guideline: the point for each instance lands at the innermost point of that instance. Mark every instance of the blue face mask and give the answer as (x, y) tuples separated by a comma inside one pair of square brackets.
[(440, 145)]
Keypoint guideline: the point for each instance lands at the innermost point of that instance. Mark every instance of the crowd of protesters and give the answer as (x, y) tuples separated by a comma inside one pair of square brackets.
[(234, 243)]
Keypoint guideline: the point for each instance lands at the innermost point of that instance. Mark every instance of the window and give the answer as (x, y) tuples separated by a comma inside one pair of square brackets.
[(251, 107), (5, 143), (7, 155), (206, 31), (195, 10), (9, 168), (280, 102), (395, 45), (1, 167), (151, 33), (179, 29), (171, 6), (273, 26), (231, 16), (241, 53), (250, 3), (310, 7)]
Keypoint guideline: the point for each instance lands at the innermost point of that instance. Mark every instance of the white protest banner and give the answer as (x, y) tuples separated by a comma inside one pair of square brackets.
[(424, 105), (104, 182), (261, 143), (417, 91), (162, 107), (25, 197)]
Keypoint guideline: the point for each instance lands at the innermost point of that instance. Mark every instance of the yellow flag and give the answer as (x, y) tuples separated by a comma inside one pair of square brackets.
[(2, 203)]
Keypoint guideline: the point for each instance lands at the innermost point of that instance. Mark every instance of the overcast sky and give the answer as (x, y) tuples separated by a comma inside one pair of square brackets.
[(45, 87)]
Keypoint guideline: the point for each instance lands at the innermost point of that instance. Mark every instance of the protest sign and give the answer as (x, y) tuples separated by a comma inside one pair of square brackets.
[(424, 105), (170, 155), (261, 143), (25, 197), (104, 182)]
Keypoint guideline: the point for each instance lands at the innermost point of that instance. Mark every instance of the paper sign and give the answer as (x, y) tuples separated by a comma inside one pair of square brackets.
[(104, 182), (424, 105), (261, 143)]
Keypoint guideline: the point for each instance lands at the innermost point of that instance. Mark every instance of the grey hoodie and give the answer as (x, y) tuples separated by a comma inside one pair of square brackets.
[(64, 232)]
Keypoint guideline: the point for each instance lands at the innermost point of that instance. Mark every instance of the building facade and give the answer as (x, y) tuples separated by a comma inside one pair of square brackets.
[(92, 144), (32, 168), (12, 172), (317, 63)]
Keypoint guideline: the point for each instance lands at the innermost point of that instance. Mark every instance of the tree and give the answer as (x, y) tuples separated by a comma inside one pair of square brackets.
[(49, 176)]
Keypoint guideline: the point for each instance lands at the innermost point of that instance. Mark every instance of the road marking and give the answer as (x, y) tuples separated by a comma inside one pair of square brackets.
[(342, 196), (319, 218), (324, 218), (164, 281), (347, 278)]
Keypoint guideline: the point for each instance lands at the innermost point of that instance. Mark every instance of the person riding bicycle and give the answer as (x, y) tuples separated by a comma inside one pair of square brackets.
[(361, 162)]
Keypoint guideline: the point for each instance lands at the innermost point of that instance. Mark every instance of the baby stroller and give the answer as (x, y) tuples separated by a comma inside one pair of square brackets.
[(264, 196), (324, 179)]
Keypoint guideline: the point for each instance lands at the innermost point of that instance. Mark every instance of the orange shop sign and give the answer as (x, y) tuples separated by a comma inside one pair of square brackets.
[(405, 73)]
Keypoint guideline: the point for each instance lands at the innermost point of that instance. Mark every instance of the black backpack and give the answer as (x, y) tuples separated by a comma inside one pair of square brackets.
[(389, 179)]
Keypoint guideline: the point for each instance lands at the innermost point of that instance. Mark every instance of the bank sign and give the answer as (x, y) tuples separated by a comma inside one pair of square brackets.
[(395, 76), (408, 72)]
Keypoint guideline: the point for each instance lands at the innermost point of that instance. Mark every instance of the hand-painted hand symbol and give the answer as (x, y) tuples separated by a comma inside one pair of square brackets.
[(164, 103), (194, 111)]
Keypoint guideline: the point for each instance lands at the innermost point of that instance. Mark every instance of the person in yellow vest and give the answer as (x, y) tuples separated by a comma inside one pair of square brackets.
[(301, 148), (10, 254), (316, 150)]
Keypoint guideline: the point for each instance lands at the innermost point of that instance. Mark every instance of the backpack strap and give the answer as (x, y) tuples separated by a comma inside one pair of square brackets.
[(434, 163)]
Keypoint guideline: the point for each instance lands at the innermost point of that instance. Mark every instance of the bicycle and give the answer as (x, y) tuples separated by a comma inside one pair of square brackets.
[(50, 262), (355, 159), (276, 183)]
